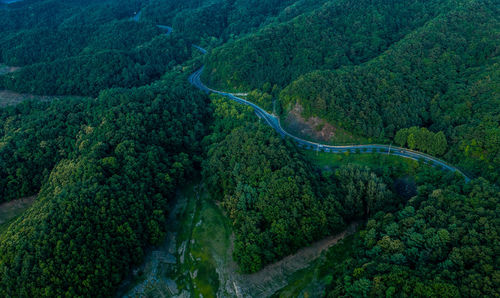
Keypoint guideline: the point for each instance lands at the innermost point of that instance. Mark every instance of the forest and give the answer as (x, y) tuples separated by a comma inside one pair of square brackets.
[(276, 200), (108, 158), (443, 243), (95, 46), (327, 38), (106, 199), (438, 70)]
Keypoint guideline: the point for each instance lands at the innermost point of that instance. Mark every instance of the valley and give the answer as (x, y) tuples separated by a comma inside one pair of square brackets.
[(196, 258), (270, 148)]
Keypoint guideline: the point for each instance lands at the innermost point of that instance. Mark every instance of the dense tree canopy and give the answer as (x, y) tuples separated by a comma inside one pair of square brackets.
[(444, 243), (33, 138), (221, 19), (423, 74), (437, 69), (443, 76), (340, 33), (275, 199), (96, 46), (107, 199)]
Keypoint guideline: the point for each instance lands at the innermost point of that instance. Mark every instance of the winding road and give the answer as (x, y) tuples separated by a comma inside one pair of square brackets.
[(274, 122)]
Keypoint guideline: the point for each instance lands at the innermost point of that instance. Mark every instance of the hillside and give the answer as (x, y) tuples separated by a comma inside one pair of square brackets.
[(438, 70), (124, 169)]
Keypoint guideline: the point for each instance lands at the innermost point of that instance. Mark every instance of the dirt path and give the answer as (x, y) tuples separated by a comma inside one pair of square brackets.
[(8, 97), (4, 69), (275, 276), (11, 209)]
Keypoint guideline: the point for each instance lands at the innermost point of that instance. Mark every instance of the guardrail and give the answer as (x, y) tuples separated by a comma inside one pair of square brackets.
[(274, 122)]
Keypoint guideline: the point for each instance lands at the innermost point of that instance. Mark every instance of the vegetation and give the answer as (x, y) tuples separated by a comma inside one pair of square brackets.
[(11, 210), (438, 70), (86, 52), (206, 234), (423, 74), (422, 139), (107, 200), (216, 21), (340, 33), (34, 137), (442, 244), (276, 201), (428, 79)]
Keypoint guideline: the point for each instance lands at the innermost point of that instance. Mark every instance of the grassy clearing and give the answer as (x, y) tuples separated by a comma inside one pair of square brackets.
[(398, 165), (199, 236), (205, 232), (211, 237)]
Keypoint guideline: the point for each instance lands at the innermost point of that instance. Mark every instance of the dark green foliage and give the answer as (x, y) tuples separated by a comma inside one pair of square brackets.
[(94, 48), (276, 201), (107, 199), (33, 138), (90, 73), (267, 189), (422, 139), (360, 192), (444, 76), (423, 73), (431, 64), (220, 18), (31, 14), (444, 243), (340, 33), (42, 45)]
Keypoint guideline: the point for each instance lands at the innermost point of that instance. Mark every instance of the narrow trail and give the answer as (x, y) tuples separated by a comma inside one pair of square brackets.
[(275, 276)]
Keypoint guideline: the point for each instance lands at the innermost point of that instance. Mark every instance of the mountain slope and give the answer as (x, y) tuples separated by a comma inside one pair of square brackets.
[(340, 33), (443, 76)]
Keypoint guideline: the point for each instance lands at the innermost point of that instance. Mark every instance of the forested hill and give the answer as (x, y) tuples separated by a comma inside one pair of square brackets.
[(430, 64), (340, 33), (105, 166), (82, 47), (443, 77), (215, 21), (107, 196)]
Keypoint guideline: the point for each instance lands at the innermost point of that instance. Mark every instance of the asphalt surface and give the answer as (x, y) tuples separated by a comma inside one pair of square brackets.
[(274, 122)]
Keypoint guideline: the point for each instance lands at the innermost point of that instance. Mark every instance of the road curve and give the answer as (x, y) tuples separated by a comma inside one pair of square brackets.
[(273, 121)]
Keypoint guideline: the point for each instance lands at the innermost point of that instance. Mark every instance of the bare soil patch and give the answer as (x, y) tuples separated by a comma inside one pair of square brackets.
[(4, 69), (314, 127)]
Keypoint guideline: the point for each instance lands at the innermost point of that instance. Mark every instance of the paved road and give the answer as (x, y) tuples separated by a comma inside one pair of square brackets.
[(167, 29), (137, 18), (273, 121)]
